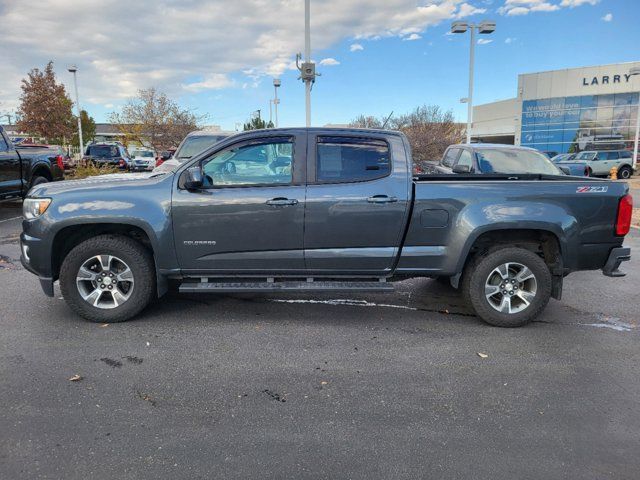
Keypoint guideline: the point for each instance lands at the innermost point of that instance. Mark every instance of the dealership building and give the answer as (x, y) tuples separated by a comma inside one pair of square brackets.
[(571, 110)]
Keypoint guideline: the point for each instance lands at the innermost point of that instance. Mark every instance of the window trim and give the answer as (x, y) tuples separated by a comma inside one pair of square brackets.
[(347, 139), (250, 142)]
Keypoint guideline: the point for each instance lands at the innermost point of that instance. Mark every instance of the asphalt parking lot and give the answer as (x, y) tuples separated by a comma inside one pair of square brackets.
[(322, 386)]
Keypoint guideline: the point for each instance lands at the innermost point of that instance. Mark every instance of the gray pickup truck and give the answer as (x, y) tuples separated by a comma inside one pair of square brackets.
[(319, 210)]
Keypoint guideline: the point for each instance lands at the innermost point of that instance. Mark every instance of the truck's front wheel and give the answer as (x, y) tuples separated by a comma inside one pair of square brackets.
[(508, 287), (108, 278)]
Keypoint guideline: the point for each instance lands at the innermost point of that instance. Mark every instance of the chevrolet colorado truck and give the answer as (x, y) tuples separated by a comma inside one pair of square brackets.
[(21, 168), (319, 209)]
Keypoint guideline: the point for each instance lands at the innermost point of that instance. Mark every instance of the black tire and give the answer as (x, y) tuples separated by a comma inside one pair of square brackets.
[(478, 272), (37, 181), (136, 257), (625, 172)]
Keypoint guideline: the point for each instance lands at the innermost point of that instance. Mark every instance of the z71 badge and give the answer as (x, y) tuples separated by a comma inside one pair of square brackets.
[(602, 189)]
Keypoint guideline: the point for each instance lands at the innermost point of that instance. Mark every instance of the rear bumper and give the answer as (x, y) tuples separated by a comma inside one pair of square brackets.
[(616, 257)]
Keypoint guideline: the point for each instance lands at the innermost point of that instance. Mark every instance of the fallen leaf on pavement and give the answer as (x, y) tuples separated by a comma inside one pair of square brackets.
[(104, 325), (324, 383), (75, 378), (482, 355)]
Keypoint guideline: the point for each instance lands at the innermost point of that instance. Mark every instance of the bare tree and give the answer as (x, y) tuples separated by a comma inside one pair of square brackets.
[(429, 129), (154, 119), (364, 121), (45, 107)]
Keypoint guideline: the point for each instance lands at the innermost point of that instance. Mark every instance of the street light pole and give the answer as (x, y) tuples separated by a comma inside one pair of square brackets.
[(73, 69), (276, 101), (484, 27), (470, 94), (636, 71)]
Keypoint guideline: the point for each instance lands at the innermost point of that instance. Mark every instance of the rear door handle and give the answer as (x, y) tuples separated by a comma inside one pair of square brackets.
[(382, 199), (281, 201)]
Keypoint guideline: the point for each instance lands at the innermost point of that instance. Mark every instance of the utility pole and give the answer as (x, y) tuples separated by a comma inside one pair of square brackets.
[(308, 68), (73, 69)]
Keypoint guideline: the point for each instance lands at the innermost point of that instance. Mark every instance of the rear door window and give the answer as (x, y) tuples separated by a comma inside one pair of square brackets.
[(103, 151), (612, 156), (343, 159)]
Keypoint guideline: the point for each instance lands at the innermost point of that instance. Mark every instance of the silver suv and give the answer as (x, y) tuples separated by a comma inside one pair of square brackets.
[(600, 163)]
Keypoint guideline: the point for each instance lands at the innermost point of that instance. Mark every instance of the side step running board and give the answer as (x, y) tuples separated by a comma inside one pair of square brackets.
[(285, 286)]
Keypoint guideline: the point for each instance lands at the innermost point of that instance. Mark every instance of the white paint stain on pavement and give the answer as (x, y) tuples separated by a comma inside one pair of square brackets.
[(612, 323), (342, 302)]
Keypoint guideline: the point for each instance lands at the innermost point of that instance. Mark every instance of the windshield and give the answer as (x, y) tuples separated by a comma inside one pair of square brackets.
[(193, 145), (143, 153), (515, 161), (103, 151), (586, 156)]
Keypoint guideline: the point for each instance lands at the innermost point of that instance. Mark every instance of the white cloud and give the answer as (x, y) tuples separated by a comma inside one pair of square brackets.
[(484, 41), (577, 3), (215, 81), (509, 40), (329, 62), (608, 17), (523, 7), (466, 10), (355, 47), (189, 46), (412, 37)]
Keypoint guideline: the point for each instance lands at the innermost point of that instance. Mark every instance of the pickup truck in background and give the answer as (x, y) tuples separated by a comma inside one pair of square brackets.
[(488, 158), (24, 167), (320, 209), (600, 163)]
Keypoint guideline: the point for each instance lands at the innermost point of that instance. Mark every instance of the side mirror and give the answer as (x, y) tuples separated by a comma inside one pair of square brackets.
[(165, 155), (461, 169), (193, 178), (566, 170)]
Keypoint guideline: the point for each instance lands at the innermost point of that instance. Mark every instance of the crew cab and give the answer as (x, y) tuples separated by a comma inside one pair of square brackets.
[(24, 167), (320, 209), (488, 158)]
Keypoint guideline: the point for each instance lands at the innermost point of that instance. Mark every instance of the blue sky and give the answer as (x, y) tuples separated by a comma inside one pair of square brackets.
[(207, 62)]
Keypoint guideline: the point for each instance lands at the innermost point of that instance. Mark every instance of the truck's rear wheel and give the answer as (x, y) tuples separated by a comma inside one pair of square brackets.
[(108, 278), (508, 287)]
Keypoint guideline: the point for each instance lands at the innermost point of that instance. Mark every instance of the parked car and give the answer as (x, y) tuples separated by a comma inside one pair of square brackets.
[(320, 210), (142, 159), (565, 162), (22, 168), (111, 154), (490, 158), (599, 163)]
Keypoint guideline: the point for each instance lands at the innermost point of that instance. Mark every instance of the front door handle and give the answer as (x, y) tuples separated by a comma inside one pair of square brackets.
[(382, 199), (281, 201)]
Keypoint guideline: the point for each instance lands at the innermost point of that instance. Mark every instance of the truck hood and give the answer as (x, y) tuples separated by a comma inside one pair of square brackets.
[(100, 182)]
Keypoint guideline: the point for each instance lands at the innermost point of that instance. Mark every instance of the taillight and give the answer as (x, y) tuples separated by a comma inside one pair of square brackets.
[(121, 163), (625, 209), (60, 162)]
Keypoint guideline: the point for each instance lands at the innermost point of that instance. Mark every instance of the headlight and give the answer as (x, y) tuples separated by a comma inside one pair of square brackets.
[(34, 207)]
